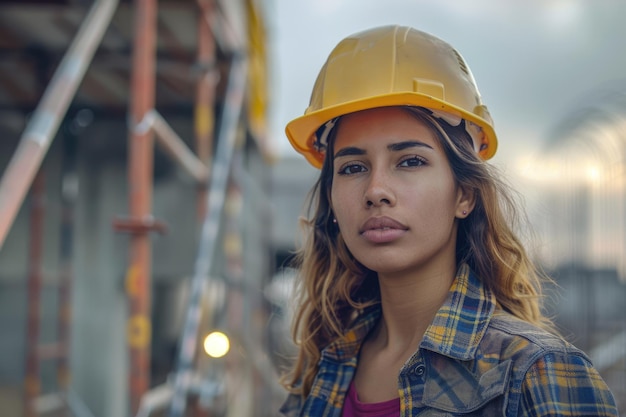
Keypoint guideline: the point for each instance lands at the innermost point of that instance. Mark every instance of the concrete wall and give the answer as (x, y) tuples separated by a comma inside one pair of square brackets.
[(292, 180)]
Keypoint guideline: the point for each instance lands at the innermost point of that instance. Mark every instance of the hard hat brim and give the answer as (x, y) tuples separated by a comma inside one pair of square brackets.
[(301, 130)]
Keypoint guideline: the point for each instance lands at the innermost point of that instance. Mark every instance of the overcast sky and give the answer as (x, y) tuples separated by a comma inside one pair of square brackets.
[(535, 61)]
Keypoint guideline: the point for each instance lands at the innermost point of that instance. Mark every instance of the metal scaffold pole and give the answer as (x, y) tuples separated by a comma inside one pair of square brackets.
[(204, 118), (31, 381), (215, 203), (141, 149)]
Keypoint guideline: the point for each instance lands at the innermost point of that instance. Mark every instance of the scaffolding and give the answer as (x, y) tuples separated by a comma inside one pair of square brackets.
[(147, 127)]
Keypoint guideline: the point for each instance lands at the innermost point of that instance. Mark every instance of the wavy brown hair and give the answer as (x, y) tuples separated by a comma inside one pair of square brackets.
[(333, 287)]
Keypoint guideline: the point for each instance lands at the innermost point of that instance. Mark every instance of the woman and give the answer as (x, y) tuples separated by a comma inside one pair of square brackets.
[(415, 295)]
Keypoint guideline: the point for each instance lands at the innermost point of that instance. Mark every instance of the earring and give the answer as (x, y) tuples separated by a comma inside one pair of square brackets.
[(464, 212), (334, 220)]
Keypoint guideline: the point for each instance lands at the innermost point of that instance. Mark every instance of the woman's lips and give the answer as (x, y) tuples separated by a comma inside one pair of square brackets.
[(382, 229)]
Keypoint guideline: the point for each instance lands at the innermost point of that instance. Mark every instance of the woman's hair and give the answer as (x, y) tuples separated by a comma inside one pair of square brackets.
[(333, 287)]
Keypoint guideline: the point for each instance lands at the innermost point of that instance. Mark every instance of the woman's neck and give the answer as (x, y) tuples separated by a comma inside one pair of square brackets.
[(409, 304)]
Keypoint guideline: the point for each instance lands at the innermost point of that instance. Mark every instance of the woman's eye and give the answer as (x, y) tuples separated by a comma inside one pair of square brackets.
[(413, 161), (351, 169)]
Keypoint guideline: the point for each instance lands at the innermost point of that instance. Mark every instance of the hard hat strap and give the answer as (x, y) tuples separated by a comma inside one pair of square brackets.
[(321, 136)]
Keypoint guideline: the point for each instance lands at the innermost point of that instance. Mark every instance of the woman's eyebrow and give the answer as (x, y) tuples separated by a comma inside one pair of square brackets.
[(349, 151), (400, 146), (394, 147)]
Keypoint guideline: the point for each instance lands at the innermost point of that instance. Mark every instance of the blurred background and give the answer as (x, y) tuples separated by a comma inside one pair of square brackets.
[(149, 200)]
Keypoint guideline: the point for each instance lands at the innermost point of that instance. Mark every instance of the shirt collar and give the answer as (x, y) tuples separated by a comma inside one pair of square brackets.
[(462, 320), (347, 347), (456, 330)]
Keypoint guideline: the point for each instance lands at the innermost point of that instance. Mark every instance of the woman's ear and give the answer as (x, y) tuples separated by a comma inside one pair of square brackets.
[(465, 202)]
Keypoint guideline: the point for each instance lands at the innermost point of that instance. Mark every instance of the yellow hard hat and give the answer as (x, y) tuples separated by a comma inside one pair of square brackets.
[(392, 66)]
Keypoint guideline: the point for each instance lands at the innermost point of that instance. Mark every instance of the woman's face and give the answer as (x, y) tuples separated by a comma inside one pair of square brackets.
[(393, 193)]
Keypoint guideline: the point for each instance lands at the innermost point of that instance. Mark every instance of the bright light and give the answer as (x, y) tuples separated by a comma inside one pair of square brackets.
[(216, 344), (565, 170), (594, 173)]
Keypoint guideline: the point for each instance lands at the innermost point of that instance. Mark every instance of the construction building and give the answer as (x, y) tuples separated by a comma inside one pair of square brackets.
[(134, 211)]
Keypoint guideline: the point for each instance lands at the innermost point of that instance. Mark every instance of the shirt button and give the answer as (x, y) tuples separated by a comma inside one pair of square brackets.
[(419, 370)]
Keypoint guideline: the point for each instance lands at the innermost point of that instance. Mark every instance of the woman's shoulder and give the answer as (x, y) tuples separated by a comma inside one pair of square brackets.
[(552, 376), (518, 339)]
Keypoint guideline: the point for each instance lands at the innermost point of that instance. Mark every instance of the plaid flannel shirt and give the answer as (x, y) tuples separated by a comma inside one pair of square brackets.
[(474, 360)]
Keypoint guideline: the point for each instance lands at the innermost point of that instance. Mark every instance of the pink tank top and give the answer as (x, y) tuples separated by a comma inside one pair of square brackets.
[(352, 407)]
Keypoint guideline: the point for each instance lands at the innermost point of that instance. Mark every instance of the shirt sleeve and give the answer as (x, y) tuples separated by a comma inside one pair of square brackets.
[(565, 384)]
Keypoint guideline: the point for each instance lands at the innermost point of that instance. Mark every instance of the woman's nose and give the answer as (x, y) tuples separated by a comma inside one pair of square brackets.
[(379, 191)]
